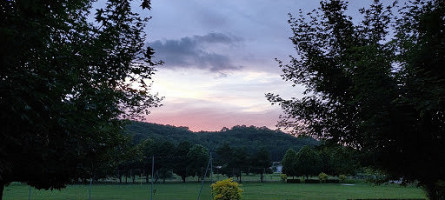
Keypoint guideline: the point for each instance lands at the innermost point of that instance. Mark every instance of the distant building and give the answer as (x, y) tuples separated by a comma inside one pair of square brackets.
[(277, 167)]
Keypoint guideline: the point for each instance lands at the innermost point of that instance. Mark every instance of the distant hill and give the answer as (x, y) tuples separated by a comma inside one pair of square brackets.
[(249, 137)]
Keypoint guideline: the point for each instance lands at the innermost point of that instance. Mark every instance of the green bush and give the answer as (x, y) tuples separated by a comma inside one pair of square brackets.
[(323, 177), (226, 190), (283, 177), (342, 178)]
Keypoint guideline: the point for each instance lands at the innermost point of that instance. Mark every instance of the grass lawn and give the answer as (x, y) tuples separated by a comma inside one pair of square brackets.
[(252, 191)]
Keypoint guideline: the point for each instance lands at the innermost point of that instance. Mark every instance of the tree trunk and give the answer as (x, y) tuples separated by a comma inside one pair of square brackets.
[(240, 172), (183, 178), (2, 187)]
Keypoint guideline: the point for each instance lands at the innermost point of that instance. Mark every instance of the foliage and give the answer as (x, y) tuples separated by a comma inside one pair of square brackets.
[(164, 154), (283, 177), (376, 88), (323, 177), (198, 157), (181, 162), (289, 163), (342, 178), (249, 137), (337, 159), (307, 162), (260, 162), (66, 82), (226, 190), (239, 162)]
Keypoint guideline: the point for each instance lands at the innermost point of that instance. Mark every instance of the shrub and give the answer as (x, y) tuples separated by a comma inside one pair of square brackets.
[(342, 178), (226, 190), (283, 177), (323, 177)]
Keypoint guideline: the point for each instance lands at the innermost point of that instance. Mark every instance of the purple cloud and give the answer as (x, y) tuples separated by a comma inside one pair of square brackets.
[(193, 52)]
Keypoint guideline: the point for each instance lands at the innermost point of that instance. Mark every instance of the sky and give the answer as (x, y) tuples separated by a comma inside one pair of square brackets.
[(219, 60)]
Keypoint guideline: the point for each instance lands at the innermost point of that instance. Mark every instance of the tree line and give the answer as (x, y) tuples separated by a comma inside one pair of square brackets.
[(184, 159), (311, 161), (248, 137)]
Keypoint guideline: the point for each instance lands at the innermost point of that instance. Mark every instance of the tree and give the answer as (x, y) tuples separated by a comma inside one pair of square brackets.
[(289, 163), (224, 159), (198, 157), (308, 162), (376, 88), (164, 153), (336, 159), (261, 162), (66, 84), (182, 163), (239, 162)]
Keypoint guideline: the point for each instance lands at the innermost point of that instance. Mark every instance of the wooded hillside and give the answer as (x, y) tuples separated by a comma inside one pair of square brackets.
[(249, 137)]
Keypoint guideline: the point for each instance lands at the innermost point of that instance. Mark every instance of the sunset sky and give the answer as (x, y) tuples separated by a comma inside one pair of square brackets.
[(219, 60)]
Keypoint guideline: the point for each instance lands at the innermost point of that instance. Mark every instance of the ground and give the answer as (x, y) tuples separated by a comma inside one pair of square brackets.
[(252, 191)]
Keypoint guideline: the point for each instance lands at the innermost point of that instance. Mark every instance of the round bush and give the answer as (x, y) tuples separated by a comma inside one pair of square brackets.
[(323, 177), (283, 177), (226, 190), (342, 178)]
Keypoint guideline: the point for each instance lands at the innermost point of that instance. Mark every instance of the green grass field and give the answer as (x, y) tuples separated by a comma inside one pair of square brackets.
[(252, 191)]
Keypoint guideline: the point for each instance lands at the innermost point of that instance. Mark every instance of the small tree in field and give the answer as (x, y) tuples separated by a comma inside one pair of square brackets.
[(289, 163), (308, 162)]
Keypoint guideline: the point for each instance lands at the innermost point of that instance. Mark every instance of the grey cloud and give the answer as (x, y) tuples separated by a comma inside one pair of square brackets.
[(194, 52)]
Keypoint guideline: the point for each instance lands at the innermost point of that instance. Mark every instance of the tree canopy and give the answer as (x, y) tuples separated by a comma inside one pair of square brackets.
[(289, 163), (69, 76), (376, 85), (307, 162)]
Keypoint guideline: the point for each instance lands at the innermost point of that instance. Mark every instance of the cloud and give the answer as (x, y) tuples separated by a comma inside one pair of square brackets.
[(203, 52)]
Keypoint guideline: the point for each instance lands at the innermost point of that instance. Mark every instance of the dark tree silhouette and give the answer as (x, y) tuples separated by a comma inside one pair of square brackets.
[(307, 162), (261, 163), (377, 88), (182, 162), (289, 163), (65, 85)]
